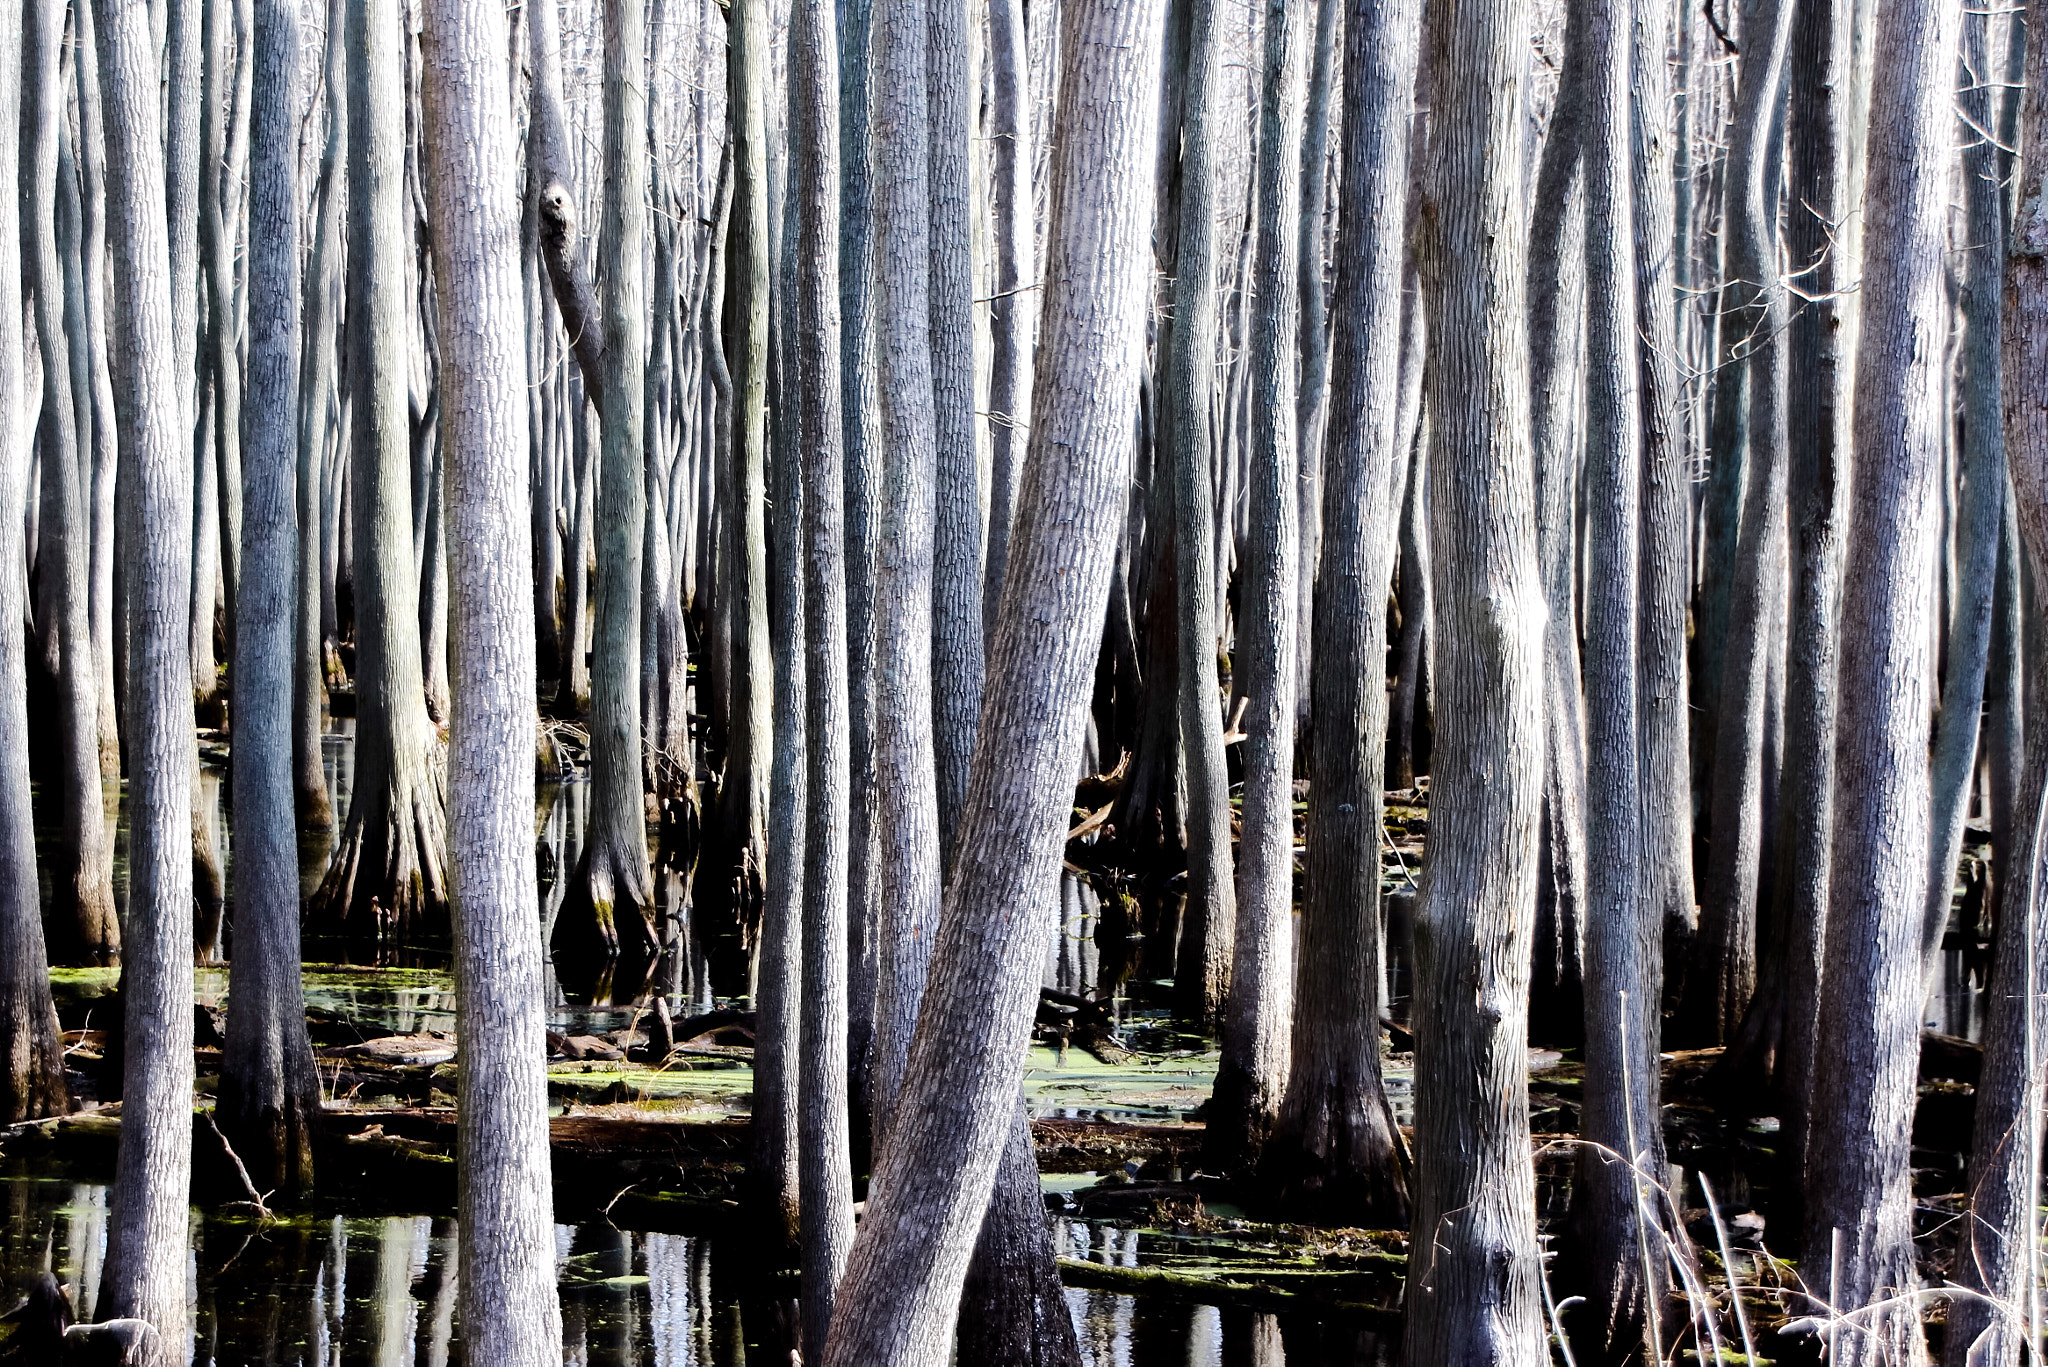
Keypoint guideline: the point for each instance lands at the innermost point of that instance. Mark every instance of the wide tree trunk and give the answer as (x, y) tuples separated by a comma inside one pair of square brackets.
[(1858, 1246), (1202, 974), (386, 881), (825, 1162), (147, 1251), (1474, 1297), (83, 879), (1336, 1151), (504, 1189), (31, 1053), (938, 1164), (1253, 1069), (269, 1093)]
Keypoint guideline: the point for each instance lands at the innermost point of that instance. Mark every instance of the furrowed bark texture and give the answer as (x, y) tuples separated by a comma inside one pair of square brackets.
[(1207, 925), (1473, 1296), (905, 764), (386, 881), (31, 1053), (1253, 1067), (1999, 1251), (825, 1162), (1336, 1150), (938, 1165), (1858, 1249), (1621, 1214), (145, 1273), (510, 1312), (269, 1093)]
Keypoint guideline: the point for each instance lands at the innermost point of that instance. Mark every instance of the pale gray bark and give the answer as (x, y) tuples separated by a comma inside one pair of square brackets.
[(509, 1308), (1013, 302), (83, 880), (958, 662), (1858, 1246), (1337, 1151), (905, 763), (269, 1093), (1473, 1292), (1320, 188), (92, 163), (1202, 975), (825, 1162), (220, 364), (938, 1165), (386, 880), (145, 1272), (1252, 1071), (31, 1053)]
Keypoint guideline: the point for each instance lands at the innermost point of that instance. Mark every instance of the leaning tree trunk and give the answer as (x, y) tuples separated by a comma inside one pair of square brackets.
[(146, 1257), (31, 1052), (938, 1163), (1858, 1251), (1337, 1151), (1253, 1068), (1999, 1251), (1474, 1291), (386, 881), (84, 888), (1202, 973), (1623, 1222), (824, 1160), (508, 1303), (269, 1093), (613, 886)]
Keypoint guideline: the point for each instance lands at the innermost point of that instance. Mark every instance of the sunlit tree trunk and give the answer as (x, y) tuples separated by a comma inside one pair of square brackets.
[(1858, 1246), (938, 1163), (504, 1189), (1473, 1293), (146, 1259), (269, 1093), (1013, 307)]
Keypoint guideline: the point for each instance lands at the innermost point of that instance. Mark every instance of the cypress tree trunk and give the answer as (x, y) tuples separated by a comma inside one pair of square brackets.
[(938, 1164), (1858, 1245), (1253, 1069), (1621, 1213), (386, 880), (83, 881), (1312, 404), (504, 1189), (269, 1093), (221, 364), (31, 1052), (1013, 307), (1336, 1151), (92, 164), (825, 1179), (1208, 924), (905, 765), (1474, 1296), (145, 1272)]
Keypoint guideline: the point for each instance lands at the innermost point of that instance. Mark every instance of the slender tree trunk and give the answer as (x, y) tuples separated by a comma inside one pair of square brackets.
[(1253, 1070), (269, 1093), (938, 1164), (1473, 1296), (1858, 1248), (825, 1161), (1722, 975), (83, 880), (146, 1259), (1336, 1151), (92, 164), (386, 880), (1319, 187), (222, 362), (1202, 974), (315, 396), (1013, 307), (31, 1052), (1621, 1164), (507, 1241), (1982, 516), (905, 766)]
